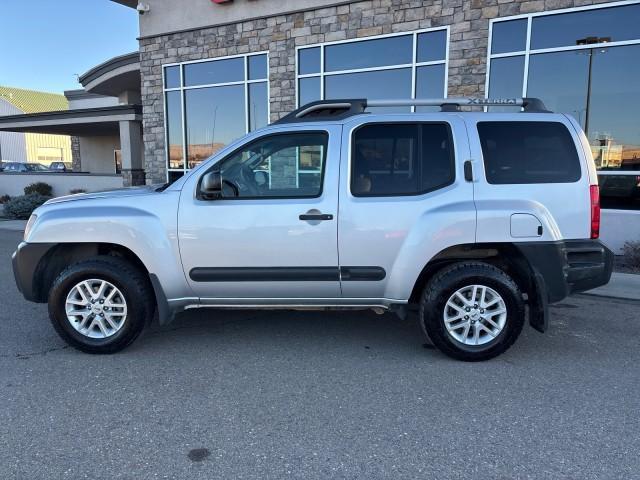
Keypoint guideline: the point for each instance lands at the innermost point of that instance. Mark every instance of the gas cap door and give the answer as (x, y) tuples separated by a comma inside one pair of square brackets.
[(525, 225)]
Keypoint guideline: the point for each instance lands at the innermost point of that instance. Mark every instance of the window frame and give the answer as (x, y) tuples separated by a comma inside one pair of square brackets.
[(182, 89), (216, 166), (527, 52), (414, 65), (418, 123)]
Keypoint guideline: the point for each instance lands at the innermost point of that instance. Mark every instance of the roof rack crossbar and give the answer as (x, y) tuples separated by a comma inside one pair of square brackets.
[(344, 108)]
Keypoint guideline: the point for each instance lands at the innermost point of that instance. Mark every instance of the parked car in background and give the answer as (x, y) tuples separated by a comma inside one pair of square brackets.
[(60, 167), (24, 167)]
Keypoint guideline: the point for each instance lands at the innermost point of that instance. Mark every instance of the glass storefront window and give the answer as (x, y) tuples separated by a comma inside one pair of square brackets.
[(219, 71), (432, 46), (411, 65), (174, 130), (172, 77), (380, 52), (510, 36), (220, 101), (563, 30), (585, 63), (370, 85)]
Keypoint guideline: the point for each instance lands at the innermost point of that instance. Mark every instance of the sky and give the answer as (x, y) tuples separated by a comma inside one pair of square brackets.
[(45, 44)]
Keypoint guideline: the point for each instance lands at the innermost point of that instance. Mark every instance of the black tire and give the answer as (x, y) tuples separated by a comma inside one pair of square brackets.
[(459, 275), (135, 288)]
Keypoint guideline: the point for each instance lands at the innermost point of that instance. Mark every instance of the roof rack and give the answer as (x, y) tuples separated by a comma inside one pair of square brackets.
[(341, 109)]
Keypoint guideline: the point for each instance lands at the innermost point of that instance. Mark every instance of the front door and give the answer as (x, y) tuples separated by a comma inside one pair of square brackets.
[(272, 235)]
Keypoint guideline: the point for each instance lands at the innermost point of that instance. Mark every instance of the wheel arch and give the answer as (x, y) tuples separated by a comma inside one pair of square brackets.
[(505, 256), (61, 255)]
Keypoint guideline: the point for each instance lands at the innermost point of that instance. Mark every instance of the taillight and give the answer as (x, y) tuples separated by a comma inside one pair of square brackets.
[(595, 211)]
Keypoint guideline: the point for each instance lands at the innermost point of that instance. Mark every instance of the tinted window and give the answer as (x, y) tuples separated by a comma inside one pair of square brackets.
[(401, 159), (509, 36), (369, 53), (528, 152), (613, 24), (288, 165)]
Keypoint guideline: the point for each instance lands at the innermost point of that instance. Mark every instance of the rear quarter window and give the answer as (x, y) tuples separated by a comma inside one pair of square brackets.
[(528, 152)]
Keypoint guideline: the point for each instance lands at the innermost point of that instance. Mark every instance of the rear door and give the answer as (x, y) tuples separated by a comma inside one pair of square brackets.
[(532, 181), (403, 198)]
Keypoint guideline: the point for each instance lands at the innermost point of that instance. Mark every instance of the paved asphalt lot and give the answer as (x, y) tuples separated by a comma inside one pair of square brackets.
[(318, 395)]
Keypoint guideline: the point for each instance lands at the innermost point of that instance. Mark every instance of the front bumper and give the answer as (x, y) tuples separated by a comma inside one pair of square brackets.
[(569, 266), (26, 260)]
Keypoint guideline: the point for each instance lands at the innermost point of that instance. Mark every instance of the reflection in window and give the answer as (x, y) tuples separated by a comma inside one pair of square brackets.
[(429, 84), (233, 101), (615, 23), (560, 80), (375, 68), (288, 165), (509, 36), (174, 130), (258, 105), (369, 53), (213, 120), (591, 74), (219, 71), (506, 80), (370, 85)]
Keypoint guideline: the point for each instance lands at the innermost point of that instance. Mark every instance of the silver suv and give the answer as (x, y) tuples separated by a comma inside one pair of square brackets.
[(476, 221)]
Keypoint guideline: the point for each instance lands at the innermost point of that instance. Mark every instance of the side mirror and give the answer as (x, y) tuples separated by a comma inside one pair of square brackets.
[(211, 186)]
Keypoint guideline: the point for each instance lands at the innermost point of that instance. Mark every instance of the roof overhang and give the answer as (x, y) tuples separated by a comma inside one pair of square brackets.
[(82, 122), (128, 3), (116, 75)]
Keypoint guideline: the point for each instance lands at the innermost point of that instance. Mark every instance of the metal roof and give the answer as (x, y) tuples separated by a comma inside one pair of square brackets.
[(31, 101)]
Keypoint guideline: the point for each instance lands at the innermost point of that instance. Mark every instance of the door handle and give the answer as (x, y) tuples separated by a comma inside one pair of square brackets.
[(316, 216)]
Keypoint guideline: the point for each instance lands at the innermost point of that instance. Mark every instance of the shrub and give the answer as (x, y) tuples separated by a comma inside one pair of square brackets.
[(20, 208), (631, 251), (41, 188), (73, 191), (4, 199)]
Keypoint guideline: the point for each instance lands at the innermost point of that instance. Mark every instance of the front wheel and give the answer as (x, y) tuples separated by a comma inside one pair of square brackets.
[(472, 311), (100, 305)]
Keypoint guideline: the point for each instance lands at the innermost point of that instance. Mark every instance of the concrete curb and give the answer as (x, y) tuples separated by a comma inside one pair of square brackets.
[(623, 286)]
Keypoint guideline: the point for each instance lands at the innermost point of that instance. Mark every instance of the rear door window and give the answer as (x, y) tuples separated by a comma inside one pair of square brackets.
[(395, 159), (528, 152)]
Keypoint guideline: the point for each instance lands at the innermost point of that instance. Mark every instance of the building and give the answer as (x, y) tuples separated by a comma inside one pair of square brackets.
[(104, 119), (32, 147)]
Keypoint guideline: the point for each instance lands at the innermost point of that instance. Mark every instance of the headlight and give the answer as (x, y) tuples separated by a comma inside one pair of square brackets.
[(27, 229)]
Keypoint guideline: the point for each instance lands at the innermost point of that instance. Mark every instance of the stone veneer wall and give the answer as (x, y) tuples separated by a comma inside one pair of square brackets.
[(469, 21), (76, 161)]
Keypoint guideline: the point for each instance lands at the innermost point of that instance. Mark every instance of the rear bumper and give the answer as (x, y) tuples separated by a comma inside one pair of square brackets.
[(25, 263), (569, 266)]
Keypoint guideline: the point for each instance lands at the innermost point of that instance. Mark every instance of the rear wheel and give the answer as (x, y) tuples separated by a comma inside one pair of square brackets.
[(100, 305), (472, 311)]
